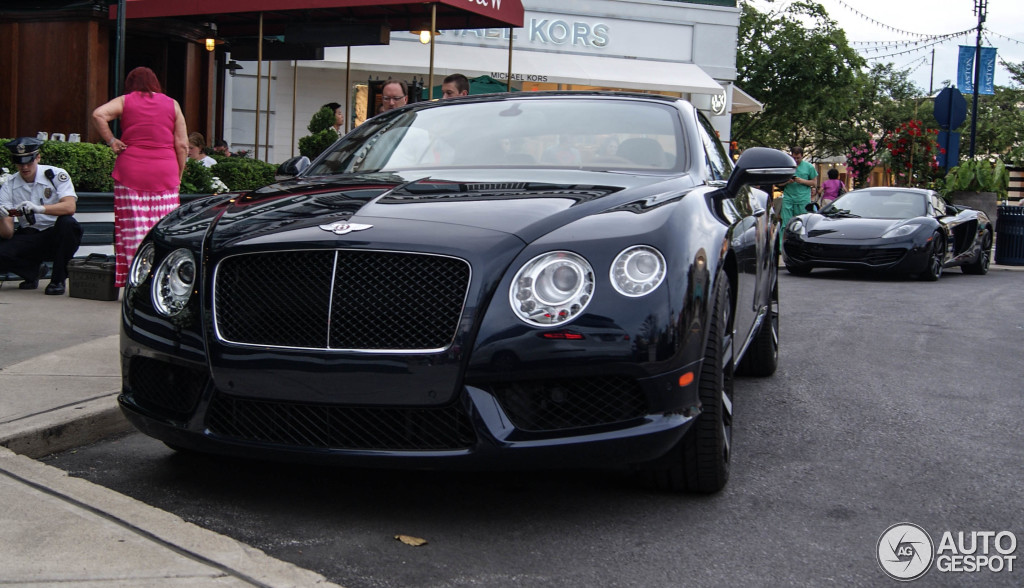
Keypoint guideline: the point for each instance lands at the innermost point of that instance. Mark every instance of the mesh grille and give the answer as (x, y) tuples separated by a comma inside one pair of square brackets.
[(165, 388), (337, 427), (814, 252), (552, 405), (381, 300)]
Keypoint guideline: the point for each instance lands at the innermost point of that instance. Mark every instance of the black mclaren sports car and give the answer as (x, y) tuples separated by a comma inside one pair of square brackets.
[(470, 283), (901, 230)]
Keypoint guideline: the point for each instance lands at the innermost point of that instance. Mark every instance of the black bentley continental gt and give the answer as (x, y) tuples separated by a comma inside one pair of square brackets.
[(911, 231), (507, 280)]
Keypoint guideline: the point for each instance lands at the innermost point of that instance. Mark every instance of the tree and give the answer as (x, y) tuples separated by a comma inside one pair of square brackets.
[(797, 63)]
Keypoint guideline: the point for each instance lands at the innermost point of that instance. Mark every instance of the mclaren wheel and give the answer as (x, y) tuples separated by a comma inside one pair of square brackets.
[(762, 356), (933, 270), (980, 266), (700, 461)]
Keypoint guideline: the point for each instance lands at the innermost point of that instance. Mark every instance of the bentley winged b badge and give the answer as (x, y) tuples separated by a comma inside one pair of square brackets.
[(342, 228)]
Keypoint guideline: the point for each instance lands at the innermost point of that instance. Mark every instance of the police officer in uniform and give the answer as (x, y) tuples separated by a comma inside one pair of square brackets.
[(43, 200)]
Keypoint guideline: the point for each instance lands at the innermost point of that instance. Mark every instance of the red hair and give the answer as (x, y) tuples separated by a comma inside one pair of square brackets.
[(141, 79)]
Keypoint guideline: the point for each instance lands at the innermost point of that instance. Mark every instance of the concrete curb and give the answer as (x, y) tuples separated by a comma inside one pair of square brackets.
[(65, 428), (202, 557)]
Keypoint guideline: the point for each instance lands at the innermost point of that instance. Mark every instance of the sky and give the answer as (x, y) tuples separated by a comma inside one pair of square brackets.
[(874, 27)]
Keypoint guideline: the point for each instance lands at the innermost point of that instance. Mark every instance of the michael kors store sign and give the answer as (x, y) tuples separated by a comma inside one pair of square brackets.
[(604, 37)]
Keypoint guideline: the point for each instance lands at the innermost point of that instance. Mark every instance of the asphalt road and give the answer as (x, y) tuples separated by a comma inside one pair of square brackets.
[(895, 401)]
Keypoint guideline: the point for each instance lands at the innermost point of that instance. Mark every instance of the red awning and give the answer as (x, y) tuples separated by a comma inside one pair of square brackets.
[(239, 17)]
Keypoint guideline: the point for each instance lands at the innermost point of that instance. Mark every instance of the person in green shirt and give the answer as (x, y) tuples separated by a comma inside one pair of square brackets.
[(796, 193)]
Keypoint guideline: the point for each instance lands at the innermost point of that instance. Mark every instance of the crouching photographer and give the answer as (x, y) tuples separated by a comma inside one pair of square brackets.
[(43, 200)]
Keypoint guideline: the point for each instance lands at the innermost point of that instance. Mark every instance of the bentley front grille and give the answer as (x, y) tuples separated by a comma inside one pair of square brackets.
[(554, 405), (341, 427), (355, 300)]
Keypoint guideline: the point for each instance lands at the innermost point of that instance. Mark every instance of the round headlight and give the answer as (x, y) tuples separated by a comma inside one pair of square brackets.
[(637, 270), (172, 282), (552, 288), (142, 265)]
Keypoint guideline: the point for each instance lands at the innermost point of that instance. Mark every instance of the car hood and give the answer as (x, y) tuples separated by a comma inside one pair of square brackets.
[(305, 210), (825, 227)]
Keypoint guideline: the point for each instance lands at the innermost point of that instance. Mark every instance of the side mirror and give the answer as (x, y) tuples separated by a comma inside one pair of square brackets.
[(761, 166), (294, 166), (812, 207)]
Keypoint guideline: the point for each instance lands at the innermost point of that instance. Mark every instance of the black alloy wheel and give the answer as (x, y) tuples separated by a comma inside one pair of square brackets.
[(979, 267), (933, 270), (699, 463), (762, 356)]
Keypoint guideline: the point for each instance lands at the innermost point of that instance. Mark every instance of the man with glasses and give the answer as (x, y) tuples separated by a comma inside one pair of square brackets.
[(395, 93)]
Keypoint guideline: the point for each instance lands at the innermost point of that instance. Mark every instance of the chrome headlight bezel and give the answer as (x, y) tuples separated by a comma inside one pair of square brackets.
[(173, 282), (637, 271), (552, 288), (142, 264)]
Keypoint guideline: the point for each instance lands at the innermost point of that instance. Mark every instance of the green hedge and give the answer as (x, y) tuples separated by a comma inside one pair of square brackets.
[(242, 173), (90, 166)]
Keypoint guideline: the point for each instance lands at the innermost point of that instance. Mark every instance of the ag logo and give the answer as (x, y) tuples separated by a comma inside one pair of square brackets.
[(905, 552), (718, 103)]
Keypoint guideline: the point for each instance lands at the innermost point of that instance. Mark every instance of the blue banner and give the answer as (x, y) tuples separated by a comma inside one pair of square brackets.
[(965, 70)]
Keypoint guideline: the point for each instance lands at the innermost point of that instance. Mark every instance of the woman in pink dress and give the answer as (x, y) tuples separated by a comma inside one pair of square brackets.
[(151, 155)]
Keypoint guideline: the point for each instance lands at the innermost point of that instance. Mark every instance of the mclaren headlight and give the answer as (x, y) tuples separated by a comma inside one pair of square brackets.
[(552, 288), (900, 231), (797, 226), (142, 265), (173, 281), (637, 270)]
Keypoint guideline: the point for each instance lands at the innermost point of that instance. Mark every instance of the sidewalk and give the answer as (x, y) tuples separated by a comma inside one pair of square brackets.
[(59, 379)]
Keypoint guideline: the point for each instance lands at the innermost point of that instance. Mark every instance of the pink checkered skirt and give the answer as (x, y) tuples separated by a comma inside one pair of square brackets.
[(135, 213)]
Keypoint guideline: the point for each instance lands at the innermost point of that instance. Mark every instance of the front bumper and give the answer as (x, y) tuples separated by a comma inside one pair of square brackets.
[(529, 423), (883, 255)]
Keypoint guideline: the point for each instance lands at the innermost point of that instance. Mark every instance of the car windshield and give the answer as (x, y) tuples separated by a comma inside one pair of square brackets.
[(891, 204), (559, 133)]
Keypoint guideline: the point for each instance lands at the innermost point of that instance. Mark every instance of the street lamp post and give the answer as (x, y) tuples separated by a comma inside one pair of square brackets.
[(980, 7)]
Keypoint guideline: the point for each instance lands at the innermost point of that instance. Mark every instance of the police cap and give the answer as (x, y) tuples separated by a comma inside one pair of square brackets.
[(24, 149)]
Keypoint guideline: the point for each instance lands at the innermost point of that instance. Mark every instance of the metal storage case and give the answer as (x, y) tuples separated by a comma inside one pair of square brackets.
[(92, 277)]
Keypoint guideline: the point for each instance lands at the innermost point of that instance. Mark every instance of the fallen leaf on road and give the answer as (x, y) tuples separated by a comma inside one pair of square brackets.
[(410, 540)]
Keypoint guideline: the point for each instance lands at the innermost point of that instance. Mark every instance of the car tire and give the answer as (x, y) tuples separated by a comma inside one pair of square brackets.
[(933, 269), (699, 463), (798, 270), (979, 267), (762, 356)]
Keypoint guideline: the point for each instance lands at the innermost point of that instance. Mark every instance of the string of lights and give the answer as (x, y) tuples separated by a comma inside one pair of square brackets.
[(869, 45), (1001, 36), (879, 23), (908, 51)]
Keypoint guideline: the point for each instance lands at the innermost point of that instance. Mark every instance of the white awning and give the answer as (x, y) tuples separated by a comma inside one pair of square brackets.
[(743, 102), (528, 66)]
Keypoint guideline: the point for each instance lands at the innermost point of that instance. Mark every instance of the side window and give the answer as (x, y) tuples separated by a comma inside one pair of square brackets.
[(939, 205), (719, 165)]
